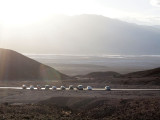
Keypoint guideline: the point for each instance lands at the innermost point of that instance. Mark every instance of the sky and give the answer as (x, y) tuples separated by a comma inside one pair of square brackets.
[(143, 12), (24, 23)]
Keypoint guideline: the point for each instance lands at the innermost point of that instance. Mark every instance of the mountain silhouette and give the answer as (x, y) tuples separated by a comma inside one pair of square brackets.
[(15, 66), (146, 73)]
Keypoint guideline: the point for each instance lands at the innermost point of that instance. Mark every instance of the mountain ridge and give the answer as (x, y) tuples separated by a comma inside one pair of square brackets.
[(86, 34)]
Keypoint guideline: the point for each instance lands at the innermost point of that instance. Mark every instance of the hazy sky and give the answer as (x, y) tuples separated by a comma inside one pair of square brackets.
[(35, 26), (27, 11)]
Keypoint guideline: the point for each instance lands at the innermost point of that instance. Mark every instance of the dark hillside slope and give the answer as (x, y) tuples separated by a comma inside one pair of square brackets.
[(15, 66), (102, 74), (147, 73), (147, 77)]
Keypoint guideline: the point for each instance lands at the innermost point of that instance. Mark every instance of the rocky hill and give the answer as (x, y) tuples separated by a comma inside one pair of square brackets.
[(15, 66), (147, 73), (102, 74)]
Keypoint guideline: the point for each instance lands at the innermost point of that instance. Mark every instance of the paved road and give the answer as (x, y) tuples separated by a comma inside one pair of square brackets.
[(96, 89)]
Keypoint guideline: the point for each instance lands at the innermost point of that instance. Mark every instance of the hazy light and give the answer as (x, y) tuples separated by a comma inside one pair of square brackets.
[(25, 12), (155, 3), (30, 11)]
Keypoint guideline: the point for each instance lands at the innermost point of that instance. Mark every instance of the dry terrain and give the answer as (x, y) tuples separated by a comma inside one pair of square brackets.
[(73, 104)]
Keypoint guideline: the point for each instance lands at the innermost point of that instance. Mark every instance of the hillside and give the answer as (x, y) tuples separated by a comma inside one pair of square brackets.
[(147, 73), (147, 77), (15, 66), (102, 75)]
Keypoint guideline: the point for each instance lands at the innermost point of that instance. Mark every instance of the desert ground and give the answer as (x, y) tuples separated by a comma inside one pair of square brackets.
[(76, 104)]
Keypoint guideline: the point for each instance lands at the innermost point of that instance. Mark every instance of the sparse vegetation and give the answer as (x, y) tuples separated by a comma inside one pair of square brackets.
[(115, 109)]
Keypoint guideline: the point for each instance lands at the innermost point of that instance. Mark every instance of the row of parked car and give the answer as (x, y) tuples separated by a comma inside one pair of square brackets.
[(71, 87)]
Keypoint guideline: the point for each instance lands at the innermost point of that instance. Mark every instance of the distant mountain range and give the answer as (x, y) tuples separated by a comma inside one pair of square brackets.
[(15, 66), (85, 34), (92, 34)]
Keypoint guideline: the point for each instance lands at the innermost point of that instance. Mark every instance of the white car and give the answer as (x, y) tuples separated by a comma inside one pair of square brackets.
[(54, 88), (71, 87), (89, 88), (62, 88), (47, 87), (107, 88), (31, 87), (24, 87), (80, 87)]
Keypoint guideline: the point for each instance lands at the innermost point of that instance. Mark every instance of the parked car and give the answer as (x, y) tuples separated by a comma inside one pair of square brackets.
[(54, 88), (89, 88), (47, 87), (31, 87), (107, 88), (39, 87), (80, 87), (62, 88), (24, 87), (71, 87)]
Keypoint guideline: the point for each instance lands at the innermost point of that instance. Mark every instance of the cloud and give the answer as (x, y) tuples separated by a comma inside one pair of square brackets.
[(155, 3)]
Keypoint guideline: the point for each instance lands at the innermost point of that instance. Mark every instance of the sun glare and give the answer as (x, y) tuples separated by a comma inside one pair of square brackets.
[(30, 11), (20, 11), (27, 11)]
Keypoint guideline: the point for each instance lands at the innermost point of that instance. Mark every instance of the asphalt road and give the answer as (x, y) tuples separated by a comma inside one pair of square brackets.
[(95, 89)]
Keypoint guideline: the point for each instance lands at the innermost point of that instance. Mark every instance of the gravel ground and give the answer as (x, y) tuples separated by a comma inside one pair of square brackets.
[(107, 105)]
